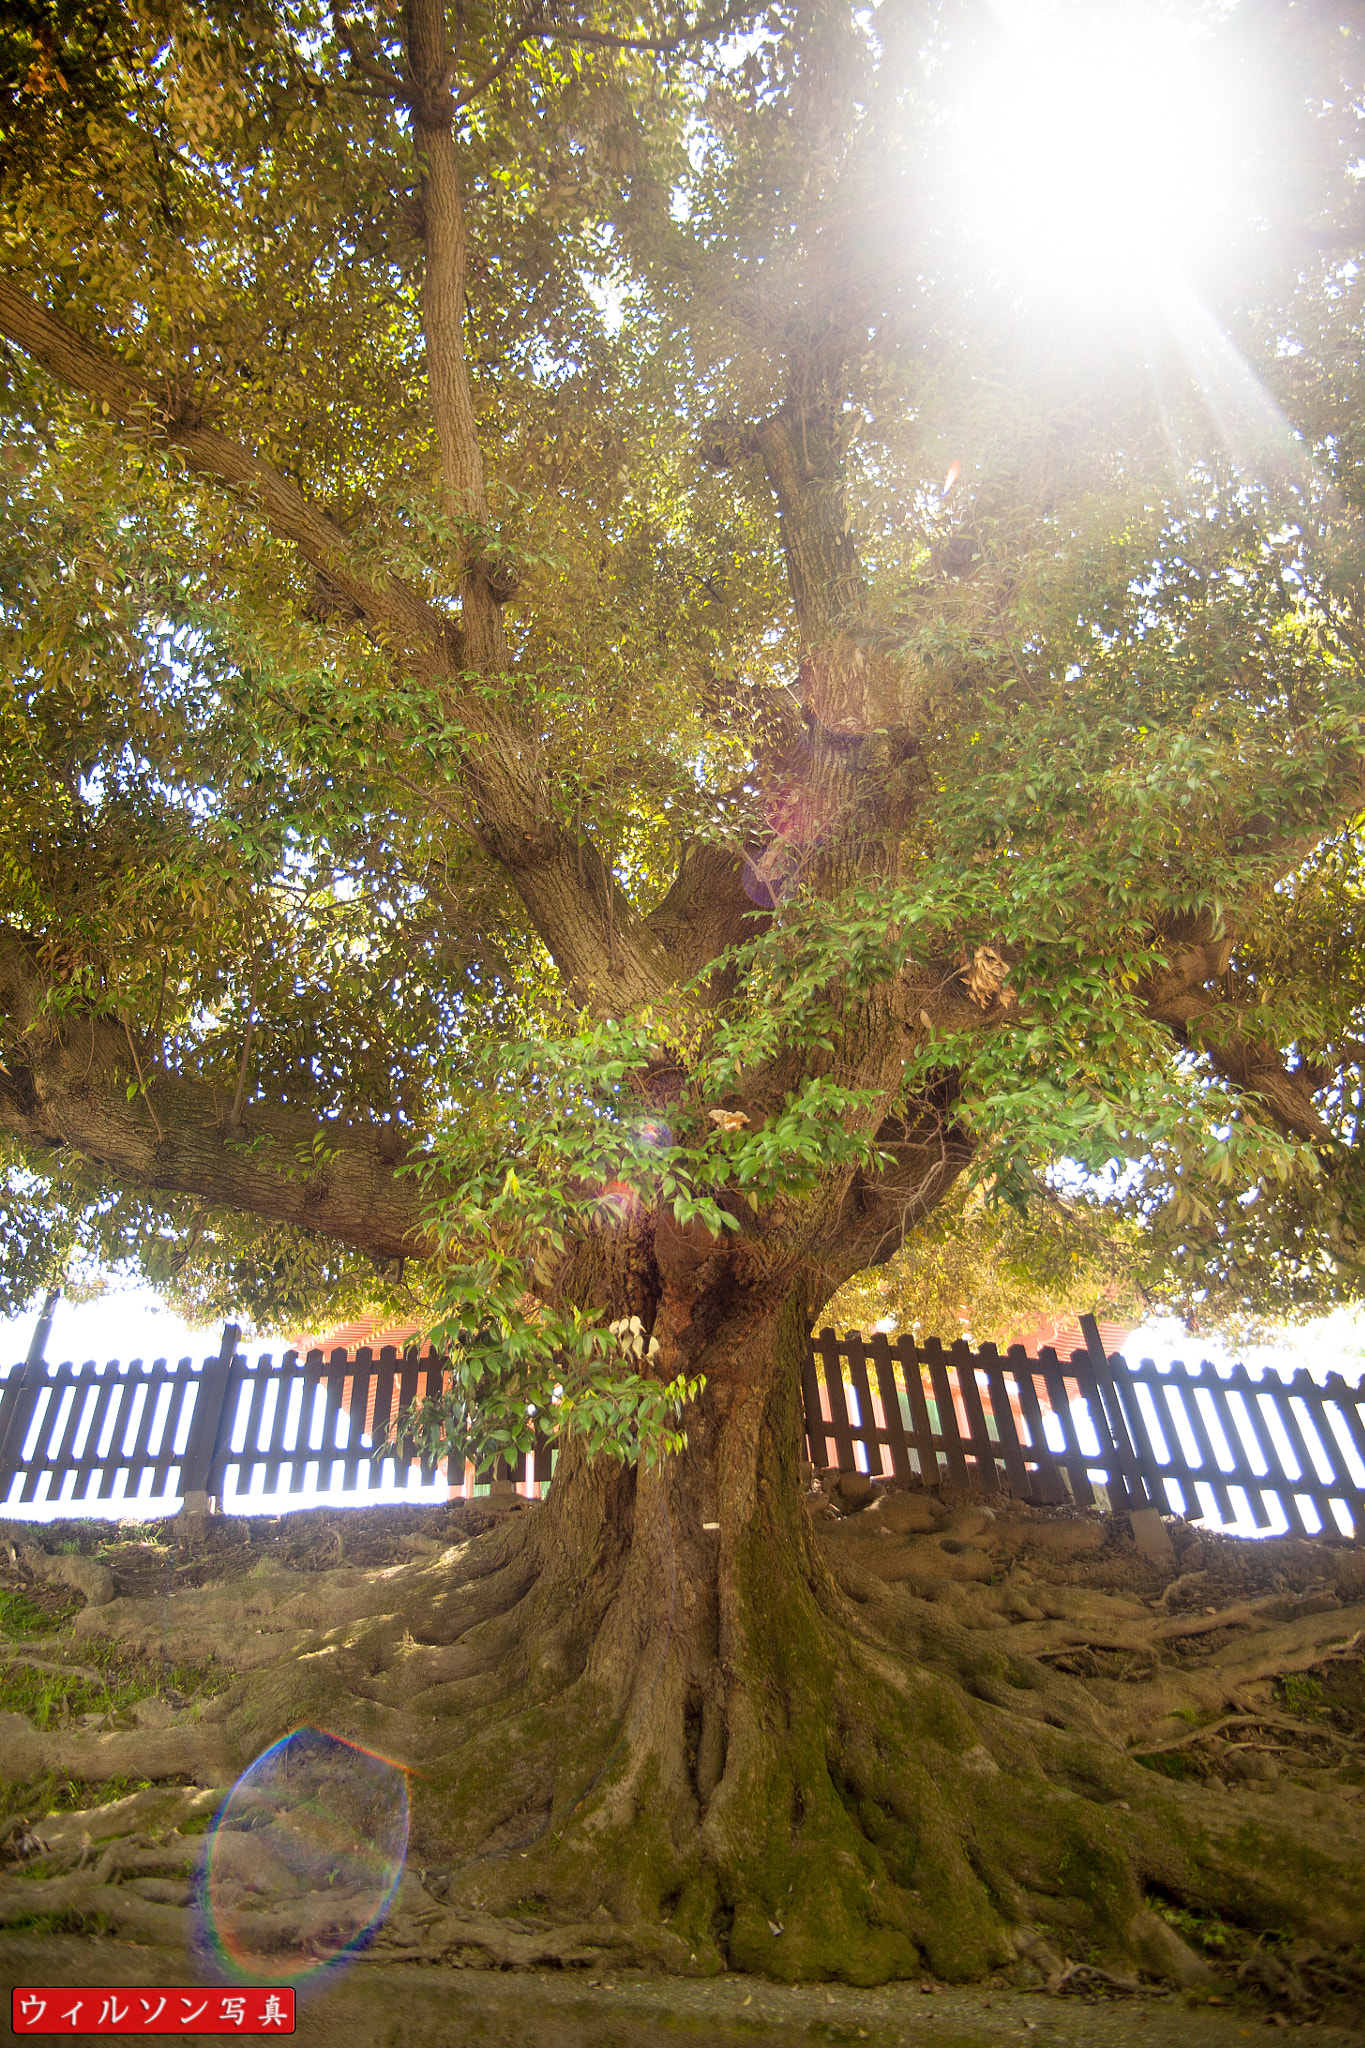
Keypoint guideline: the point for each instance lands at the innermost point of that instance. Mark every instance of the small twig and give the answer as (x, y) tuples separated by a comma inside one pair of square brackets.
[(388, 85), (236, 1116), (141, 1084), (1081, 1976)]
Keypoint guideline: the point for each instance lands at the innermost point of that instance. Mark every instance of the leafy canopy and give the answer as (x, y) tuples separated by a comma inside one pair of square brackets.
[(1033, 799)]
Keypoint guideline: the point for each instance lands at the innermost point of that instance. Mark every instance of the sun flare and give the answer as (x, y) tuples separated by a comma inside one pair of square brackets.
[(1102, 152)]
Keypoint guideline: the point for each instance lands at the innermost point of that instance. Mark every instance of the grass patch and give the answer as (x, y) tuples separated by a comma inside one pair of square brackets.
[(21, 1618), (67, 1922), (1172, 1765), (1302, 1695), (52, 1699)]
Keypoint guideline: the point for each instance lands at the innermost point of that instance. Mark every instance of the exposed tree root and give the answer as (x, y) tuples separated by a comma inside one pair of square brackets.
[(898, 1772)]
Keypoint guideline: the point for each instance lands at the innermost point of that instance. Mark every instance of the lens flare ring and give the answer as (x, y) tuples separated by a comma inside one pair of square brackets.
[(303, 1859)]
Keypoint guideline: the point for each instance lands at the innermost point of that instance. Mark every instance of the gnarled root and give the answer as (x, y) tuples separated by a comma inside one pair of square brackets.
[(634, 1738)]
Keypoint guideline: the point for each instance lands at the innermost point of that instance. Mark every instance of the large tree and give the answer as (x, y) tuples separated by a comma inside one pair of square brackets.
[(602, 699)]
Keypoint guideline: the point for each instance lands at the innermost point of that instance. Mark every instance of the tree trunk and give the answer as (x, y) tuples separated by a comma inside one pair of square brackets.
[(646, 1719)]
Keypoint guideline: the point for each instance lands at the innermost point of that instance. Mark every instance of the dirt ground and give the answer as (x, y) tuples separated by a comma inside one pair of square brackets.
[(1238, 1664), (402, 2006)]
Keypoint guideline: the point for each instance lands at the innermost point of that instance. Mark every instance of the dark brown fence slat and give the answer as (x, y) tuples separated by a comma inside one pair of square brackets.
[(109, 1463), (867, 1425), (18, 1398), (1227, 1421), (1252, 1428), (891, 1405), (407, 1394), (1175, 1473), (950, 1436), (384, 1409), (59, 1456), (249, 1456), (964, 1364), (136, 1458), (90, 1461), (360, 1389), (1045, 1480), (1129, 1485), (270, 1453), (922, 1445), (224, 1457), (44, 1416), (1320, 1491), (36, 1421), (1141, 1430), (1016, 1475), (1071, 1458), (1210, 1472), (818, 1435), (201, 1450), (1304, 1389), (1108, 1456), (827, 1347), (180, 1383), (430, 1381), (1345, 1402), (300, 1454), (338, 1367), (1285, 1488), (40, 1417)]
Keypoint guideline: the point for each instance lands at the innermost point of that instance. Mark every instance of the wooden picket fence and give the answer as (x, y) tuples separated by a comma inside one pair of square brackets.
[(1180, 1440), (221, 1430), (974, 1421)]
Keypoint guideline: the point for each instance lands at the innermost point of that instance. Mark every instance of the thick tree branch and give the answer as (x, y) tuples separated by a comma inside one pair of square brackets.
[(64, 1084), (383, 82), (393, 609), (1185, 1000), (507, 798), (430, 63)]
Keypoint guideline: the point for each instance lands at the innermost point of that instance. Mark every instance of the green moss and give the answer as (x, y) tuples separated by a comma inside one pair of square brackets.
[(1203, 1930)]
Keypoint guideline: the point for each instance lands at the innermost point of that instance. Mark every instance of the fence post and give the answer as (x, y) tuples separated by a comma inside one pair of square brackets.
[(19, 1396), (197, 1465)]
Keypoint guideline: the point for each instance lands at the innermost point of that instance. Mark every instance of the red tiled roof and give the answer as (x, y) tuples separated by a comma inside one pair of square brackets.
[(371, 1330), (1063, 1333)]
